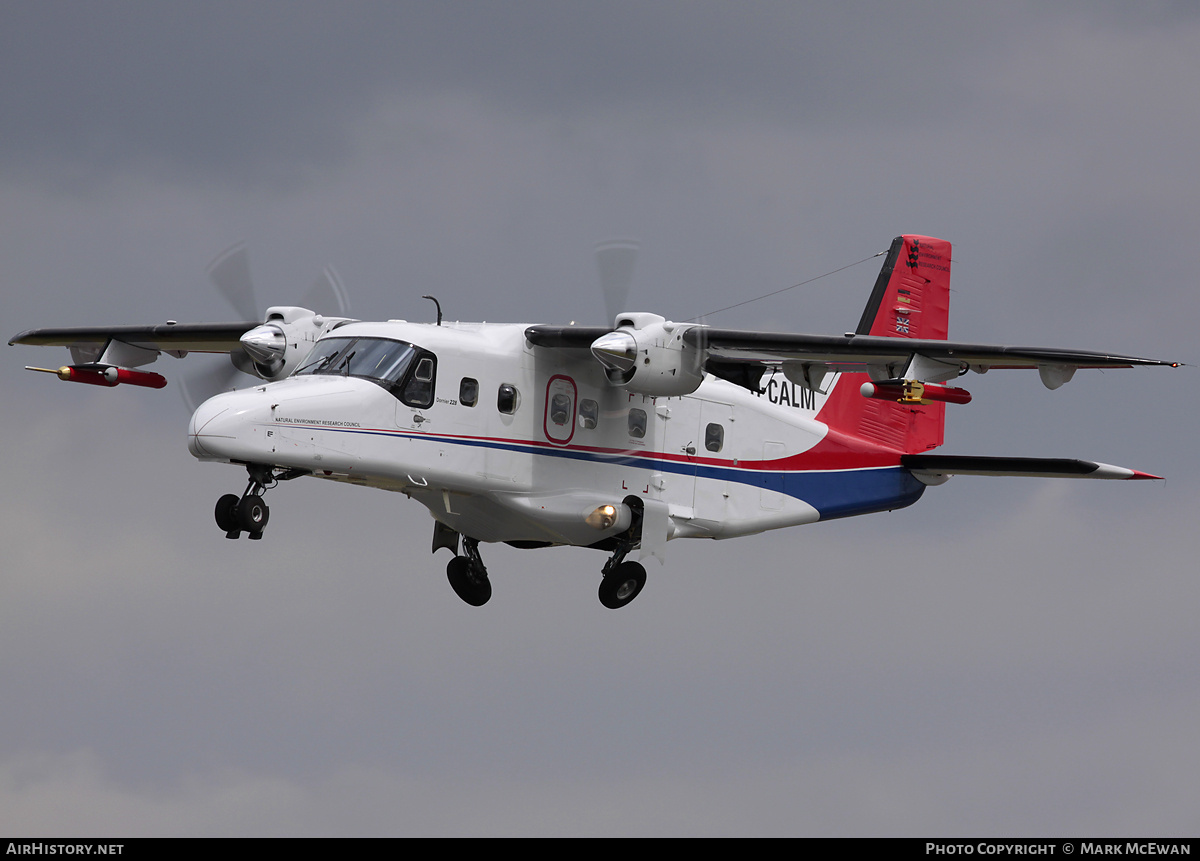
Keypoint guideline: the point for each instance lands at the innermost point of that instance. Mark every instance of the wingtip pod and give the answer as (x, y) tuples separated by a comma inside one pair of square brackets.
[(914, 392), (108, 377)]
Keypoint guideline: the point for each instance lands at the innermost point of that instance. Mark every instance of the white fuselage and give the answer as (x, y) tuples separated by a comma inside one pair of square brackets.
[(548, 438)]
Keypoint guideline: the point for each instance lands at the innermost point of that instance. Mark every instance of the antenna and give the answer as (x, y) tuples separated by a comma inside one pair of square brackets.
[(434, 300)]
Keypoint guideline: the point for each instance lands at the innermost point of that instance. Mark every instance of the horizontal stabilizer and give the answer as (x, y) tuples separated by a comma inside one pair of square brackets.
[(1037, 467)]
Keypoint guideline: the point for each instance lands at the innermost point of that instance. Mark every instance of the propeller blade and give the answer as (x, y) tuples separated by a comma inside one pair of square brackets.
[(230, 273), (615, 260), (198, 385), (327, 295)]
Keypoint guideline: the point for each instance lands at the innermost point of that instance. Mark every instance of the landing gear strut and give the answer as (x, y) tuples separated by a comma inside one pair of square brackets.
[(623, 581), (250, 513), (468, 576)]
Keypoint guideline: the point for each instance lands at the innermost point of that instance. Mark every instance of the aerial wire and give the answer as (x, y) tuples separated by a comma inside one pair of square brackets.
[(783, 290)]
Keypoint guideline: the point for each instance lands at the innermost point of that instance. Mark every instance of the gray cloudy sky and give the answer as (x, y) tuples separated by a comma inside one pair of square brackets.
[(1008, 657)]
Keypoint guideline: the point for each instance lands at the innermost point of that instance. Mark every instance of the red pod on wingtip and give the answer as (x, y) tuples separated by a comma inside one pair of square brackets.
[(914, 392), (109, 377)]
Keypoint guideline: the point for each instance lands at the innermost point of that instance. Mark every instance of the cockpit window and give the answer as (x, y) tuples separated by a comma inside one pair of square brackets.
[(378, 359), (418, 390), (404, 370), (320, 358)]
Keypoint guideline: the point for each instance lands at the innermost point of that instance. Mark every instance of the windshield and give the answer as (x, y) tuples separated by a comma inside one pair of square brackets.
[(378, 359)]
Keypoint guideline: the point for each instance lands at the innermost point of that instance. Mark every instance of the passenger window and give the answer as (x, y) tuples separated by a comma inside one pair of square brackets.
[(637, 423), (468, 392), (589, 413), (508, 398), (560, 409), (714, 437), (418, 391)]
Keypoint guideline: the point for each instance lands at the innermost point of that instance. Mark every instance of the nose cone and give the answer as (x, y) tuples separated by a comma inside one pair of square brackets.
[(205, 428), (227, 427)]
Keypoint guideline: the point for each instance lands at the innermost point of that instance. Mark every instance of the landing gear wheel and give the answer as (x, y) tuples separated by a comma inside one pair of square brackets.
[(226, 513), (472, 588), (252, 515), (622, 585)]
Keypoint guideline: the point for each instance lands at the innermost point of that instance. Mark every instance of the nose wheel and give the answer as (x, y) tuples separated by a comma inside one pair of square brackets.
[(249, 513)]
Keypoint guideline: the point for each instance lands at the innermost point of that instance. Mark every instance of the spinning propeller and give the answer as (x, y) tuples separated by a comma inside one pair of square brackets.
[(230, 274), (615, 261)]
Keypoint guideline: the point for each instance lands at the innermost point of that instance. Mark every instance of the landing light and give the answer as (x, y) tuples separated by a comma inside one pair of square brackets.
[(603, 517)]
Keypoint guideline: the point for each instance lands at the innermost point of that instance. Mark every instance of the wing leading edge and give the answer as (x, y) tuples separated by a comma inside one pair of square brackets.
[(850, 352), (168, 337), (856, 352)]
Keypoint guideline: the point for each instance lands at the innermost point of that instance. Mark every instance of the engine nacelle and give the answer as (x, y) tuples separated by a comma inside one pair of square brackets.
[(647, 355), (274, 349)]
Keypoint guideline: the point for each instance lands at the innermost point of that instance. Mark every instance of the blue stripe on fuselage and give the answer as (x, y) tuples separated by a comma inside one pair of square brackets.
[(834, 493)]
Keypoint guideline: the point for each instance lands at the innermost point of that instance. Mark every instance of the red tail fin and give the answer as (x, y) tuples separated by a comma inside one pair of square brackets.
[(911, 299)]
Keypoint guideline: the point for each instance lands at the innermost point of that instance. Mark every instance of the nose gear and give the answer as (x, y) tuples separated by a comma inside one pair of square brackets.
[(250, 512)]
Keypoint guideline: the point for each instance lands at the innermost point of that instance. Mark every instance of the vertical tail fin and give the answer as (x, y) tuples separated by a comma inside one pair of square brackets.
[(911, 299)]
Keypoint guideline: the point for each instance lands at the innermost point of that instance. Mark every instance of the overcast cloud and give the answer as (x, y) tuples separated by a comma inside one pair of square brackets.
[(1010, 657)]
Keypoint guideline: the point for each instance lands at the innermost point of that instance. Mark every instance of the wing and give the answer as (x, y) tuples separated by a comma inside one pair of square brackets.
[(743, 356), (901, 337), (889, 358), (169, 337), (108, 355), (858, 352)]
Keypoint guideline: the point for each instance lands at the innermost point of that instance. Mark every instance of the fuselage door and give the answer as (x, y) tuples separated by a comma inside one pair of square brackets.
[(558, 419), (717, 437)]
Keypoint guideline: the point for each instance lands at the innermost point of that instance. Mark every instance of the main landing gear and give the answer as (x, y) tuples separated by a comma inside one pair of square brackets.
[(468, 576), (250, 513), (622, 584), (623, 581)]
